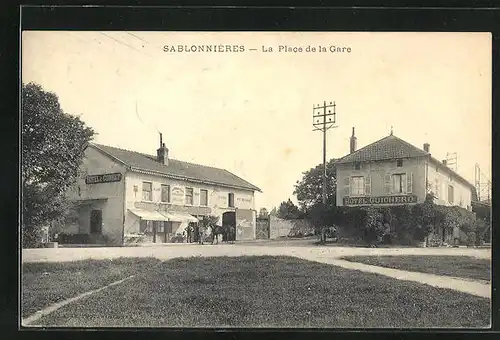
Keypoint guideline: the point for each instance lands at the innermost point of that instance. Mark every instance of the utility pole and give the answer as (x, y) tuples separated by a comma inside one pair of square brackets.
[(323, 121)]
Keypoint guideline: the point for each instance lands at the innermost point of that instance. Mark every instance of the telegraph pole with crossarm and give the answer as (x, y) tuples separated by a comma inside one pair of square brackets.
[(324, 121)]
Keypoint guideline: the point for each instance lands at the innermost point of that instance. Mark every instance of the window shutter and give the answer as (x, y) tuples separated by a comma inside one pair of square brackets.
[(409, 183), (388, 184), (347, 186), (368, 186)]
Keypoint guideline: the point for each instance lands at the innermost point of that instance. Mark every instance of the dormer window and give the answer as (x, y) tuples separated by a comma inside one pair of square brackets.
[(357, 166), (399, 163)]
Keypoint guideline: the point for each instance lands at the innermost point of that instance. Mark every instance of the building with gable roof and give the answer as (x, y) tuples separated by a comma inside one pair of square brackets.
[(391, 171), (124, 193)]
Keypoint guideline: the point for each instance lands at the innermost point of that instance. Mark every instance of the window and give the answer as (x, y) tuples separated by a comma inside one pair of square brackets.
[(399, 183), (189, 196), (357, 166), (147, 191), (203, 197), (450, 194), (230, 200), (159, 225), (165, 193), (357, 186), (438, 187), (399, 163), (146, 226)]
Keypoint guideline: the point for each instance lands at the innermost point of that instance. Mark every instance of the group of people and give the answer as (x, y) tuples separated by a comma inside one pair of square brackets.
[(198, 232), (195, 232)]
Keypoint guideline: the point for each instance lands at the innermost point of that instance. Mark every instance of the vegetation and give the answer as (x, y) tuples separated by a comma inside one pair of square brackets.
[(46, 283), (53, 144), (263, 213), (289, 211), (457, 266), (401, 224), (270, 291), (309, 189)]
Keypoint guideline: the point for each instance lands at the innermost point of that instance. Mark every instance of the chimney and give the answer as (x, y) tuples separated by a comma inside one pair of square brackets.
[(426, 147), (353, 143), (162, 152), (444, 161)]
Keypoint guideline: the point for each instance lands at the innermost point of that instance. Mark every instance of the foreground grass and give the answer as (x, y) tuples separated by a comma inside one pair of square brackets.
[(47, 283), (458, 266), (269, 292)]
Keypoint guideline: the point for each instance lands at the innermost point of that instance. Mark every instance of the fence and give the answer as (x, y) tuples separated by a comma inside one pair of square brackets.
[(289, 228)]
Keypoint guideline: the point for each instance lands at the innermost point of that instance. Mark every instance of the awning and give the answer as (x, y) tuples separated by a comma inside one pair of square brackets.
[(180, 217), (149, 215)]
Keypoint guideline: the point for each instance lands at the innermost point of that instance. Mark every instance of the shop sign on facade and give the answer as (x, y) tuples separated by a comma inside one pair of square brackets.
[(380, 200), (104, 178)]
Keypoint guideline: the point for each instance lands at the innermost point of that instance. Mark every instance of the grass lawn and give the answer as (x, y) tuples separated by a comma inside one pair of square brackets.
[(47, 283), (269, 292), (458, 266)]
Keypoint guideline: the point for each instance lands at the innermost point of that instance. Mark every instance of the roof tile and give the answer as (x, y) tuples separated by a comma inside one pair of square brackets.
[(177, 168), (390, 147)]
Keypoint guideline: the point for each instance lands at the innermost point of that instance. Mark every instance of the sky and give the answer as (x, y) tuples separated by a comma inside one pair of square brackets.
[(251, 112)]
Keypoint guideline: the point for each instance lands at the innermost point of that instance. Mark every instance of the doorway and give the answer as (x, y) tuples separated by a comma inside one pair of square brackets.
[(96, 222), (229, 219)]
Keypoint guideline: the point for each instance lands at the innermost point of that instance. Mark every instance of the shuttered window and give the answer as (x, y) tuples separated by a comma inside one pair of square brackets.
[(357, 186), (450, 194), (409, 183), (347, 186), (387, 184), (399, 184), (189, 196), (147, 191), (165, 193), (203, 197), (368, 186)]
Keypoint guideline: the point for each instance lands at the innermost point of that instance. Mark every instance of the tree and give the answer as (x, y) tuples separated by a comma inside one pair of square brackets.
[(53, 145), (289, 211), (274, 212), (263, 213), (309, 190)]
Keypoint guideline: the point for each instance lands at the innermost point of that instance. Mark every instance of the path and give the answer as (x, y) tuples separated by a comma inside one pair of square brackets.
[(329, 255)]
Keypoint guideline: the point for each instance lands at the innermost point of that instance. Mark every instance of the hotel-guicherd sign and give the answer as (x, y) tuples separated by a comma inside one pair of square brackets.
[(376, 200)]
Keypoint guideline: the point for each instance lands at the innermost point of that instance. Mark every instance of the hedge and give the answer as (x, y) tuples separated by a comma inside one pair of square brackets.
[(402, 224)]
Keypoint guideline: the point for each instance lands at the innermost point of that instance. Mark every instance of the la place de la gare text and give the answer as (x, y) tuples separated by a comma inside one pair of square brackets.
[(242, 48)]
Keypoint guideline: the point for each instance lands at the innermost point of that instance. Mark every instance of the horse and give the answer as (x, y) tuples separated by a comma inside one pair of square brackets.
[(225, 230), (216, 231)]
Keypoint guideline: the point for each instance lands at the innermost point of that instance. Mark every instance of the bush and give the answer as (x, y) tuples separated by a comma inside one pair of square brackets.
[(403, 224), (64, 238), (31, 237)]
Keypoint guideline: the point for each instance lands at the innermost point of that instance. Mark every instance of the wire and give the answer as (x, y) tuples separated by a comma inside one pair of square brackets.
[(137, 37), (122, 43)]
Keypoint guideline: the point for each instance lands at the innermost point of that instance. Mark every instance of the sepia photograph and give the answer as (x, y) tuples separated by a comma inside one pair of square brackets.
[(175, 179)]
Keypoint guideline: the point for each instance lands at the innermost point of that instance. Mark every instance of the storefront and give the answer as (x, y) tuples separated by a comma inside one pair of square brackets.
[(125, 196)]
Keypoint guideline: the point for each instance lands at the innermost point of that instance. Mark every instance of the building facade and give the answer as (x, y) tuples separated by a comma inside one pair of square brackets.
[(124, 194), (391, 171)]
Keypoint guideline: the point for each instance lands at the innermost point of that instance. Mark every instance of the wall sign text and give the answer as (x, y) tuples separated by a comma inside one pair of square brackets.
[(104, 178), (380, 200)]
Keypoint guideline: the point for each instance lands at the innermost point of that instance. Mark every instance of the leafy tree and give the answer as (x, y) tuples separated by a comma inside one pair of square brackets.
[(309, 190), (53, 144), (309, 193), (263, 213), (288, 210)]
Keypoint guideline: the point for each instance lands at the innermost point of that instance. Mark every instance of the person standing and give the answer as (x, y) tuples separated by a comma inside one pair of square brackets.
[(201, 233), (189, 232)]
